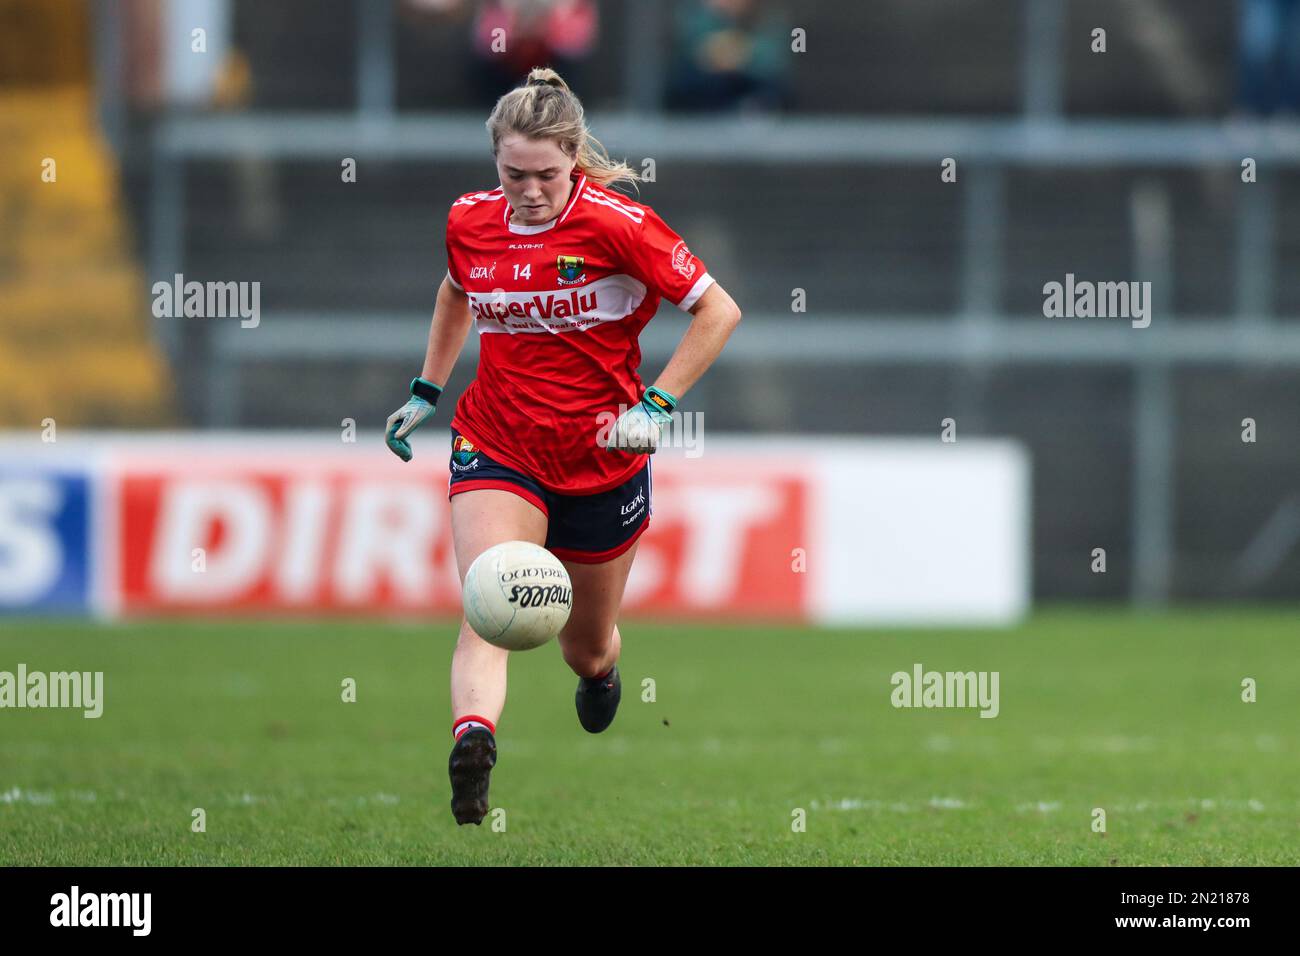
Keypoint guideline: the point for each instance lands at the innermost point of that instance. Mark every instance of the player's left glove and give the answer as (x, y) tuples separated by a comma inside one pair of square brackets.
[(637, 429), (423, 400)]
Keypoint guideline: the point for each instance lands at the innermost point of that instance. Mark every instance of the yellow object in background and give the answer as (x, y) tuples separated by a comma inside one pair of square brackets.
[(75, 337)]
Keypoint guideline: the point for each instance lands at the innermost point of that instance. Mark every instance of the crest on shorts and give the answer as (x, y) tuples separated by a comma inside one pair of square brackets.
[(463, 450), (570, 268)]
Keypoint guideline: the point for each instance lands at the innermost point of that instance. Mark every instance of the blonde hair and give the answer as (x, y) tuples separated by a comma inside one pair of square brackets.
[(545, 108)]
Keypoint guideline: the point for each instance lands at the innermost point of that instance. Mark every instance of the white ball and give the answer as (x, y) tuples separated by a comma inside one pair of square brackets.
[(517, 595)]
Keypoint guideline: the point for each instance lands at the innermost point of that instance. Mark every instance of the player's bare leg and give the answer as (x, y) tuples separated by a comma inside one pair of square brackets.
[(479, 520), (590, 640)]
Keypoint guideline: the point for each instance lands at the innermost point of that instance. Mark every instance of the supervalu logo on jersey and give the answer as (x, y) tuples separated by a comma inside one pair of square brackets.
[(570, 269)]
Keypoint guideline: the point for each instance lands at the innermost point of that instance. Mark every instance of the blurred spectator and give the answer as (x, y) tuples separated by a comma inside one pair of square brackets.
[(728, 55), (557, 33), (1269, 50), (166, 65)]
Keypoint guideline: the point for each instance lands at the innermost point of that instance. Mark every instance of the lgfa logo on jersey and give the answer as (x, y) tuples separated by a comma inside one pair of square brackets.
[(570, 268)]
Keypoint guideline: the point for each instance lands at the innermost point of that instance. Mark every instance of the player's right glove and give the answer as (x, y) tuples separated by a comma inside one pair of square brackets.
[(423, 400)]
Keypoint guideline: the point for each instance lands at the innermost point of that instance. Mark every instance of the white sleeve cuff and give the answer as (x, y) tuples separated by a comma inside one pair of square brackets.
[(697, 290)]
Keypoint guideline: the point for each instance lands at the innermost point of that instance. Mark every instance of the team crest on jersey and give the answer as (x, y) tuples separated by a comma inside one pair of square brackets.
[(463, 453), (570, 268)]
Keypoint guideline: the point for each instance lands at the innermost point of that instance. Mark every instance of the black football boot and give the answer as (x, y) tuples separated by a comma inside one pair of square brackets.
[(472, 759), (597, 699)]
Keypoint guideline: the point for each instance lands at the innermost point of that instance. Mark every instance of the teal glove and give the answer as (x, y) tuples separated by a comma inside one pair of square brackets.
[(637, 429), (423, 400)]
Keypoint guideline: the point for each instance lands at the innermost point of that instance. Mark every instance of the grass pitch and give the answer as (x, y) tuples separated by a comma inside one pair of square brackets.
[(1140, 716)]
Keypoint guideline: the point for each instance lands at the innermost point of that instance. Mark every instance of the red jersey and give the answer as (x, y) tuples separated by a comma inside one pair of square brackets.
[(558, 308)]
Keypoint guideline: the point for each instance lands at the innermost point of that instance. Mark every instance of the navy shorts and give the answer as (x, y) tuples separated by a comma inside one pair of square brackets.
[(588, 529)]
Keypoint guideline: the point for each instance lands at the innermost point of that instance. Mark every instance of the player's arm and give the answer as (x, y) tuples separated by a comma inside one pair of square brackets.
[(447, 332), (714, 317), (713, 320)]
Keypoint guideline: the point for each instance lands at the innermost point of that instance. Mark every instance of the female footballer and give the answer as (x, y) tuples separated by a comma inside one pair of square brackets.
[(551, 442)]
